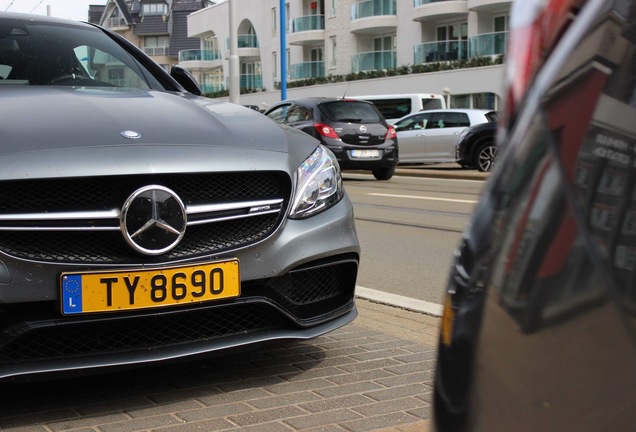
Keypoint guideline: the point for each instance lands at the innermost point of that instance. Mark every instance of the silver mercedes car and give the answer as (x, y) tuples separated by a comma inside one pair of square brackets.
[(142, 222)]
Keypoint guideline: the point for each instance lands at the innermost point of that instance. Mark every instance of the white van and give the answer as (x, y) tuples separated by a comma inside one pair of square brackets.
[(396, 106)]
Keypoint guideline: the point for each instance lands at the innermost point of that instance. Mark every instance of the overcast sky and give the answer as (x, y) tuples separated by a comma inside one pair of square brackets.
[(74, 9)]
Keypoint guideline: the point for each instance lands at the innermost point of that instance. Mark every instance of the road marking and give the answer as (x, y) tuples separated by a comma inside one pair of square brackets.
[(402, 302), (424, 198)]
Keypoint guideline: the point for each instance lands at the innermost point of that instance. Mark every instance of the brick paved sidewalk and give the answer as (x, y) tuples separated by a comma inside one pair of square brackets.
[(372, 375)]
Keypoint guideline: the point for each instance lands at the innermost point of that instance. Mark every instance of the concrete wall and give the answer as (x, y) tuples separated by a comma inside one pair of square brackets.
[(474, 80)]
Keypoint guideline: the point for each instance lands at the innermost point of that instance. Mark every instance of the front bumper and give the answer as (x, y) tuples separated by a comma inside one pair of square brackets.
[(299, 283)]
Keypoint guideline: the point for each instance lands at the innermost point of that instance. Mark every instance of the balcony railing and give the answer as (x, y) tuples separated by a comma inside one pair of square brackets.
[(251, 81), (212, 88), (156, 51), (307, 70), (369, 8), (244, 41), (440, 51), (199, 55), (307, 23), (116, 22), (373, 60), (488, 44)]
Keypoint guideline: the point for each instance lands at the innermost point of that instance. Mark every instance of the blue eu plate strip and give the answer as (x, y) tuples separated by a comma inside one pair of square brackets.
[(72, 294)]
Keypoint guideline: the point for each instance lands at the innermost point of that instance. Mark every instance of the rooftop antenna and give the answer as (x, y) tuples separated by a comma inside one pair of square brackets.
[(346, 90)]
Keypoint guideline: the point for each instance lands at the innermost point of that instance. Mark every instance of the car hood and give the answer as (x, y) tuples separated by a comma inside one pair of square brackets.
[(66, 131)]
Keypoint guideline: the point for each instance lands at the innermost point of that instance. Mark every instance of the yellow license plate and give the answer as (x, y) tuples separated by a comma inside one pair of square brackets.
[(148, 288)]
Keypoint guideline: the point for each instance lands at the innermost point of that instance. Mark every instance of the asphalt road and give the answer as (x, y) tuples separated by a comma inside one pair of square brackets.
[(410, 225)]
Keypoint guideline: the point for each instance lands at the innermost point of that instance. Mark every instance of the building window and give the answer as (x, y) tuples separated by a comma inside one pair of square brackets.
[(334, 47), (156, 45), (501, 23), (452, 32), (148, 9), (274, 20), (274, 65), (384, 43), (332, 9), (287, 18)]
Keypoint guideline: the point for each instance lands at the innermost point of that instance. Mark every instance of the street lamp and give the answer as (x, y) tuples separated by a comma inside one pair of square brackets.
[(283, 52)]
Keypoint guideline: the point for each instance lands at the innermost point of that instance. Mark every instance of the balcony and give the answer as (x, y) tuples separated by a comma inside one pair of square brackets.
[(488, 44), (199, 59), (435, 10), (488, 5), (116, 23), (373, 17), (307, 70), (440, 51), (373, 60), (247, 46), (307, 30)]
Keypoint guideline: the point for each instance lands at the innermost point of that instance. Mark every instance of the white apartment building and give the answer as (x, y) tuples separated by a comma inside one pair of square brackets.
[(339, 37)]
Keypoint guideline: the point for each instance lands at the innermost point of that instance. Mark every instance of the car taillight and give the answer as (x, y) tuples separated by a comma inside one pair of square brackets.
[(390, 133), (326, 130)]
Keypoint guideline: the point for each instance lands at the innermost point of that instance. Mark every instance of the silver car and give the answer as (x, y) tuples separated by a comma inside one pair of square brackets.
[(431, 136), (141, 222)]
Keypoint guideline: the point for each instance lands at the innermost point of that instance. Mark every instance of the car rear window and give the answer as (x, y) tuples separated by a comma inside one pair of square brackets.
[(393, 108), (492, 116), (350, 112)]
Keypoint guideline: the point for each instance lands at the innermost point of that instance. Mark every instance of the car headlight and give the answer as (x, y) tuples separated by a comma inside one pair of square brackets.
[(318, 184)]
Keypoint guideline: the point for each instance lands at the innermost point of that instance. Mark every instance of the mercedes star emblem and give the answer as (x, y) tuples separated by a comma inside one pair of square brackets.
[(153, 220)]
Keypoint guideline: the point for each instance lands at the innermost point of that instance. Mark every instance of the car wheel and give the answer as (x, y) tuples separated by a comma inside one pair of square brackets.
[(383, 173), (486, 156)]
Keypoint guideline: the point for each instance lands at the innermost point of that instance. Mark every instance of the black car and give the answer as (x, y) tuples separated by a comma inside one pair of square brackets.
[(142, 222), (355, 131), (539, 324), (477, 147)]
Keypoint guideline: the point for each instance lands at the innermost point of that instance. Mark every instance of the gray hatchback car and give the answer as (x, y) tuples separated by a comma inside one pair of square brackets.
[(141, 222)]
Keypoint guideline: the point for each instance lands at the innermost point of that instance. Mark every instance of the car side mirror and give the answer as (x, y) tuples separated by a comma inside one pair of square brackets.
[(186, 79)]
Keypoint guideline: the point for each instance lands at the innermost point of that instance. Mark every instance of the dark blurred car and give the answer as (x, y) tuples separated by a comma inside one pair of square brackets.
[(355, 131), (140, 222), (477, 147), (539, 324), (431, 136)]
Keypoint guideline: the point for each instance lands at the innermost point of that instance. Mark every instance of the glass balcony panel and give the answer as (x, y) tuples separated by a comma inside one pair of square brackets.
[(371, 8), (307, 23), (199, 55), (244, 41), (488, 44), (251, 81), (440, 51), (212, 88), (307, 70), (373, 60)]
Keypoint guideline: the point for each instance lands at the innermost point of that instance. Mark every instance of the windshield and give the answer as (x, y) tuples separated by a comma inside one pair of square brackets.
[(42, 53), (350, 112)]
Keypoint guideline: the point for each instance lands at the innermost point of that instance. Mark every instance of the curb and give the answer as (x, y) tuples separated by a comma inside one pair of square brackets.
[(398, 301)]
